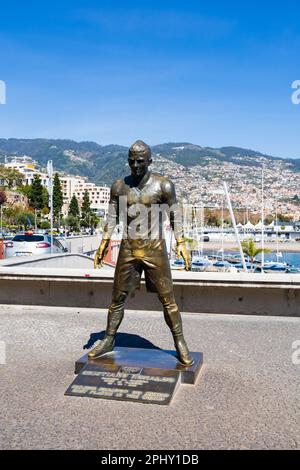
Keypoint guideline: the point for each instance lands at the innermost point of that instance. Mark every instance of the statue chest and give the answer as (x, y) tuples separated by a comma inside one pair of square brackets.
[(146, 196)]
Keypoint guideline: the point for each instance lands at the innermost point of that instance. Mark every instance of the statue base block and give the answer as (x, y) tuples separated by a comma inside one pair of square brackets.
[(150, 360), (133, 374)]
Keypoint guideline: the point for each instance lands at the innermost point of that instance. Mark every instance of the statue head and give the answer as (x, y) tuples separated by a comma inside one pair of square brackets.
[(139, 158)]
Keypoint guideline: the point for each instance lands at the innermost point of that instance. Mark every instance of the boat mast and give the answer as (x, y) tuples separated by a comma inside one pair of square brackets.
[(195, 226), (222, 228), (201, 227), (277, 241), (234, 226), (262, 221)]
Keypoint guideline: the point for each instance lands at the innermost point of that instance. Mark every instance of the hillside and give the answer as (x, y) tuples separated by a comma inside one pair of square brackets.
[(103, 164)]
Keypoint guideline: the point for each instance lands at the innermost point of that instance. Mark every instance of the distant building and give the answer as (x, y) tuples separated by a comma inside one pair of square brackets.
[(76, 185), (283, 226), (27, 167), (99, 195)]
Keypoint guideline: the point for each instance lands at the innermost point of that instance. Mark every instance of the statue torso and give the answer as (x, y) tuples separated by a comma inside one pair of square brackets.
[(148, 191), (138, 203)]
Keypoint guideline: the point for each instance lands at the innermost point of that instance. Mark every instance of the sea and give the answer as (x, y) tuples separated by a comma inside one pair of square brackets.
[(292, 258)]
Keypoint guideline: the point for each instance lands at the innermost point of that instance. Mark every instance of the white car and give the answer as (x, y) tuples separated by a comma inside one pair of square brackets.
[(29, 244)]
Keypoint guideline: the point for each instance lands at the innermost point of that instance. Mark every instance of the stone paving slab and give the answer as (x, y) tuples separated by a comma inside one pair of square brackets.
[(247, 395)]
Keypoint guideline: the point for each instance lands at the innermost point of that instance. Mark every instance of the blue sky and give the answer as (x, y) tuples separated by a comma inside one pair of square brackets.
[(211, 73)]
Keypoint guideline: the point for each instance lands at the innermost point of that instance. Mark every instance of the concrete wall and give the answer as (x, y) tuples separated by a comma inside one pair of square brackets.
[(63, 260), (242, 293), (82, 244)]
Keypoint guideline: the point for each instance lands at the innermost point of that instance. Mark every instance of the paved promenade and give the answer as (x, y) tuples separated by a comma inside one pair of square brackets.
[(247, 396)]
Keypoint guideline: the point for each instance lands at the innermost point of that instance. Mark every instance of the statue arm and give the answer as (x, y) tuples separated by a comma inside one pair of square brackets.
[(111, 222), (175, 210), (113, 212), (176, 221)]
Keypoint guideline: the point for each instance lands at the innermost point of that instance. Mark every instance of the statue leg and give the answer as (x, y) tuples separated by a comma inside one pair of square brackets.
[(114, 319), (127, 275), (174, 322)]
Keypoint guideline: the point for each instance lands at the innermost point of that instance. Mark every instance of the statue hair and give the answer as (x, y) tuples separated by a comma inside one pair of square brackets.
[(139, 147)]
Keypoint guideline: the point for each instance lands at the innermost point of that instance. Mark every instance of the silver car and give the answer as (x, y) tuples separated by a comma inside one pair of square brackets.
[(29, 244)]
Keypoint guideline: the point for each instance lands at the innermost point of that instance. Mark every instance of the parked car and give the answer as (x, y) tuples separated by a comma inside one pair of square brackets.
[(6, 235), (29, 244)]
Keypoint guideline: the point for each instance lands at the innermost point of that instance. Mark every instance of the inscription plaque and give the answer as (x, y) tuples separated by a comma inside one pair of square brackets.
[(125, 383)]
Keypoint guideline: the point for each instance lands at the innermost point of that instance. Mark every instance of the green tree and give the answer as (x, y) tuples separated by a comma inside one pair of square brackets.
[(251, 250), (26, 219), (11, 176), (45, 200), (94, 220), (86, 209), (192, 244), (72, 222), (74, 207), (213, 220), (45, 211), (58, 198), (26, 190), (45, 224), (37, 194), (269, 219), (9, 215)]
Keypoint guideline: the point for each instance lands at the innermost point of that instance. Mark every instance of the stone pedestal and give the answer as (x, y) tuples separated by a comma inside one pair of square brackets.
[(148, 359), (133, 374)]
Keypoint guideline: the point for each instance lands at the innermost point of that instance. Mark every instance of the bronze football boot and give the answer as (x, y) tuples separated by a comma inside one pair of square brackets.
[(105, 346), (183, 351)]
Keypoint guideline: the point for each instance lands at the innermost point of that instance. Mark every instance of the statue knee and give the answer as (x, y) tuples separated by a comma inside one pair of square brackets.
[(119, 297), (167, 300)]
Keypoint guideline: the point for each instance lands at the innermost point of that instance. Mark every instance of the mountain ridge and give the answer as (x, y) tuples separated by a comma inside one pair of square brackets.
[(104, 163)]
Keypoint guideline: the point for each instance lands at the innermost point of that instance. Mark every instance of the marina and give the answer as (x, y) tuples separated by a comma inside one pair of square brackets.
[(212, 260)]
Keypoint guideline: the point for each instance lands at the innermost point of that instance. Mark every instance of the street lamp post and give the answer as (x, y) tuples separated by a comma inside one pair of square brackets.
[(1, 217), (50, 191), (262, 222)]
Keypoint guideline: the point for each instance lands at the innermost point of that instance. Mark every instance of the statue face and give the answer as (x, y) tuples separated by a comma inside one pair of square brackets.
[(139, 164)]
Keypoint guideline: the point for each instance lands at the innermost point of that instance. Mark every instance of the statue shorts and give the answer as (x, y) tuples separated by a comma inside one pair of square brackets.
[(138, 256)]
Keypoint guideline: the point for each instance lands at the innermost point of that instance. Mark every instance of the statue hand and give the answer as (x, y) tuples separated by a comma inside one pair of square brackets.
[(183, 252), (100, 253)]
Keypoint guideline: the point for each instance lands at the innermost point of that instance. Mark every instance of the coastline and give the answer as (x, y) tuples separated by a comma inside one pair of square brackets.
[(286, 247)]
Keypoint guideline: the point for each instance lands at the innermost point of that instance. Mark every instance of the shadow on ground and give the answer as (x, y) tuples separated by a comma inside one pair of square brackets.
[(122, 339)]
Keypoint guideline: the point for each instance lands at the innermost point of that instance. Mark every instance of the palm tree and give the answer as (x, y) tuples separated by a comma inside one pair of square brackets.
[(251, 250), (192, 244)]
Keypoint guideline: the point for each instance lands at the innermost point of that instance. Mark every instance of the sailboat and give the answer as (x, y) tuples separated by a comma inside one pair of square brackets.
[(199, 261), (276, 266)]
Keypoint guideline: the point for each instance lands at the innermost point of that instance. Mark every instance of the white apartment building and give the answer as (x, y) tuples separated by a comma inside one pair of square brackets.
[(99, 195), (27, 167)]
